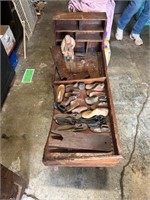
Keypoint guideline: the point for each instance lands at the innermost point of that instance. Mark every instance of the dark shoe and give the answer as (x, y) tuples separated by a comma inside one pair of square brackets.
[(60, 107), (94, 121), (63, 119)]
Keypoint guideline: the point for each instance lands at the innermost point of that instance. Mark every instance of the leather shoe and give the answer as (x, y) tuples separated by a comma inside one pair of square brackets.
[(97, 111), (72, 128)]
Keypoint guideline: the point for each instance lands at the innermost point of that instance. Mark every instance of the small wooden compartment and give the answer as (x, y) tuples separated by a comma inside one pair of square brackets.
[(74, 146)]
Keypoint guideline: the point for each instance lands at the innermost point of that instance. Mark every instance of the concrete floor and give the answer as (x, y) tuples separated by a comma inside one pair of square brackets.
[(26, 119)]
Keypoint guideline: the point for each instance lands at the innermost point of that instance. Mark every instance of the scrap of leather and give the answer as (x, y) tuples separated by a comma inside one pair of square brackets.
[(79, 140)]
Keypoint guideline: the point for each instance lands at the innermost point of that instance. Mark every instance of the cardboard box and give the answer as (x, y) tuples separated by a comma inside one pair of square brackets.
[(7, 38)]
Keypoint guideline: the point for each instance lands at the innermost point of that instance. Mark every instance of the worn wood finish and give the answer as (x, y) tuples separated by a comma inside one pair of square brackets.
[(80, 16), (80, 140), (88, 31), (60, 63), (12, 186), (92, 67), (57, 156), (80, 161), (87, 81)]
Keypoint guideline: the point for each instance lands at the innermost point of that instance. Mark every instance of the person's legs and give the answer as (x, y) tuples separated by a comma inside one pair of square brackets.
[(135, 34), (128, 13), (145, 15)]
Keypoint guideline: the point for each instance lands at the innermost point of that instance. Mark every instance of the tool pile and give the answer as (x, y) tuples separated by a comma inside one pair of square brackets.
[(81, 117)]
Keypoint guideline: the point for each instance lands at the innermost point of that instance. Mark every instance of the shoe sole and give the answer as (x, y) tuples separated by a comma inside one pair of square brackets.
[(79, 109), (60, 93), (74, 128), (91, 100), (97, 111)]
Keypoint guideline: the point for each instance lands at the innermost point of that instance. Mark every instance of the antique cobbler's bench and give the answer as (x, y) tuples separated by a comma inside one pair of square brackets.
[(84, 129)]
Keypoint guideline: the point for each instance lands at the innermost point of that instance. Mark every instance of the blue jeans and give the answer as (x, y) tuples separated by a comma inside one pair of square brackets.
[(131, 10)]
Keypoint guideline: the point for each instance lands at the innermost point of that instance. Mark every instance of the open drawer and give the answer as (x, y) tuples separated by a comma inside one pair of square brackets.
[(83, 130)]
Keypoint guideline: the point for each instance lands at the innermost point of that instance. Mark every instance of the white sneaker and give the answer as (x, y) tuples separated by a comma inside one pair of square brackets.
[(119, 34), (136, 37)]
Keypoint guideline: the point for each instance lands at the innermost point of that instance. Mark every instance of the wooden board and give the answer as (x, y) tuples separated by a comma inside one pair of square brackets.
[(12, 186), (81, 141)]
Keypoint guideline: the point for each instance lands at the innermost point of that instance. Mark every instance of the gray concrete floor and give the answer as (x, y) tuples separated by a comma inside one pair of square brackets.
[(26, 119)]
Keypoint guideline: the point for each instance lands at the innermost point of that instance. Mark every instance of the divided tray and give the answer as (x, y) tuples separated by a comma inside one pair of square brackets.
[(71, 145)]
